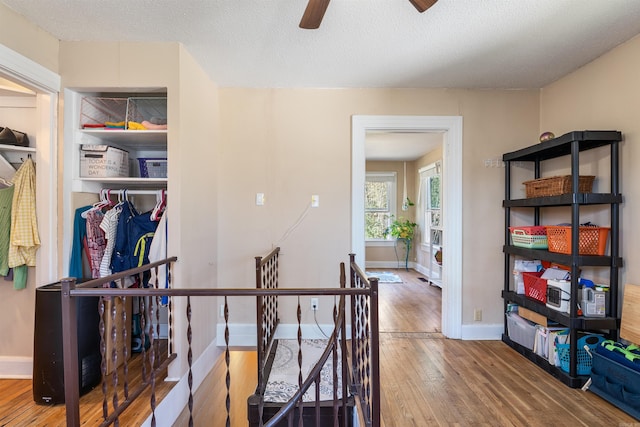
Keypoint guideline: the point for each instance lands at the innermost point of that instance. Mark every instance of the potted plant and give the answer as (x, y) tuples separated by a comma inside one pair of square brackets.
[(403, 230)]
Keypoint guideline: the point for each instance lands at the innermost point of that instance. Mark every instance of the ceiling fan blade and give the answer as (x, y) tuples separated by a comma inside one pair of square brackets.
[(423, 5), (313, 14)]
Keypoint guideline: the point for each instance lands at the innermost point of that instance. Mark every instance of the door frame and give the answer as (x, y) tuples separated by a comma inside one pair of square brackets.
[(46, 84), (451, 126)]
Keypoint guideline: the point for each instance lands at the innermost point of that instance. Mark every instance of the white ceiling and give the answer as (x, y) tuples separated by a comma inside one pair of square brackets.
[(480, 44), (361, 43), (400, 146)]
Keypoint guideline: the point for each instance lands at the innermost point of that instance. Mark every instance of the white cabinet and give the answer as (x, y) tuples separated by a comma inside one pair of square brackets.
[(139, 144)]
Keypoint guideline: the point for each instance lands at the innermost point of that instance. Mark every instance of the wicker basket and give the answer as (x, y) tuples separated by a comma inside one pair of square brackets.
[(557, 185), (534, 286), (591, 240)]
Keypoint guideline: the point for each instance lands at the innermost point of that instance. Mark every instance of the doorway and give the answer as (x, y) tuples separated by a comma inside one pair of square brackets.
[(451, 126), (30, 99)]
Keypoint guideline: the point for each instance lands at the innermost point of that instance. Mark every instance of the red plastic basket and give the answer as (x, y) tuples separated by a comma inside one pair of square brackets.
[(534, 286)]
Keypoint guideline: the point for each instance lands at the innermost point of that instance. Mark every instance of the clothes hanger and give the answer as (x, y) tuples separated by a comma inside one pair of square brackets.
[(161, 203), (5, 182)]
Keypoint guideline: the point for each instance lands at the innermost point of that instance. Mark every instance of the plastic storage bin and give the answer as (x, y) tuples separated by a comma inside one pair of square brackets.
[(591, 240), (521, 330), (534, 286), (584, 362), (152, 167), (532, 237)]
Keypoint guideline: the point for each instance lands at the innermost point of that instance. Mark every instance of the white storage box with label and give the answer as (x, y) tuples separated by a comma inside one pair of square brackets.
[(103, 161)]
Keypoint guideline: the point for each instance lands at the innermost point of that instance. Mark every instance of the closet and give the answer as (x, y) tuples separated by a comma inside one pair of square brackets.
[(115, 157), (28, 103), (104, 148)]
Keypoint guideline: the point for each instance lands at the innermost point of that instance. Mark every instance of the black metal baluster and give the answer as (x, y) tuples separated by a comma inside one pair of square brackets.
[(226, 360), (190, 362)]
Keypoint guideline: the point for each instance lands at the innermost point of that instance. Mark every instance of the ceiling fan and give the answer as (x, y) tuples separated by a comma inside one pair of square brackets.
[(315, 10)]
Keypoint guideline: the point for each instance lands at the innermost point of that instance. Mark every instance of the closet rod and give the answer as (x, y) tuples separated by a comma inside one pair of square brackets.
[(134, 192)]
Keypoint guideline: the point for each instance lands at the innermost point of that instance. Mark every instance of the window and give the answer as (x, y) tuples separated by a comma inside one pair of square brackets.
[(379, 203), (432, 221)]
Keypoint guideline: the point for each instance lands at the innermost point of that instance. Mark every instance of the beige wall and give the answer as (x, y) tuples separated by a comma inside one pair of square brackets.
[(292, 143), (387, 253), (605, 94), (192, 147), (18, 34)]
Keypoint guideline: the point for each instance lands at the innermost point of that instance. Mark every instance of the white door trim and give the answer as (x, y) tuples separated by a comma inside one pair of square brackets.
[(451, 202)]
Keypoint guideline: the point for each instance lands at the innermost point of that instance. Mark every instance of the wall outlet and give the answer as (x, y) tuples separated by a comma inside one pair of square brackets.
[(315, 201), (477, 314), (314, 304)]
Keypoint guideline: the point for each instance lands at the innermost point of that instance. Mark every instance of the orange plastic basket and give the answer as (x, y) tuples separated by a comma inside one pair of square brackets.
[(534, 286), (591, 240)]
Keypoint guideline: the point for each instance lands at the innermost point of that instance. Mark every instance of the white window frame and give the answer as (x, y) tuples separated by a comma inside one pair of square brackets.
[(425, 204), (392, 179)]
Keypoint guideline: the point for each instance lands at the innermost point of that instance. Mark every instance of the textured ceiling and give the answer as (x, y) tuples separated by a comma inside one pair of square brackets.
[(361, 43)]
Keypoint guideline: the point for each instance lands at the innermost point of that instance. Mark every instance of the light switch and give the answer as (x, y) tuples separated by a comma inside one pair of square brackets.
[(315, 201), (260, 199)]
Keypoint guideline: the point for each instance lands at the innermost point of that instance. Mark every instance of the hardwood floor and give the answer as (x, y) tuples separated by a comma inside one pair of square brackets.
[(426, 379), (17, 407)]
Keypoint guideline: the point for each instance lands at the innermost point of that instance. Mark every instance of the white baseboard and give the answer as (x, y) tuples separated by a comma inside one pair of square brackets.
[(16, 367), (176, 400), (387, 264), (482, 332)]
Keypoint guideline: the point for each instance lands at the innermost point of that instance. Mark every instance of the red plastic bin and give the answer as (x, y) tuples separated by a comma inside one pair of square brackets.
[(534, 286)]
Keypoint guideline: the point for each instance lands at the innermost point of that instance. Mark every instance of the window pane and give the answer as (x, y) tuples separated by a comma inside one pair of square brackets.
[(376, 196), (375, 224), (434, 186)]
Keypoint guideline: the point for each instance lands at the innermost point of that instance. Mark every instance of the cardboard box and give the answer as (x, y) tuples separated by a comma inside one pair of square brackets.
[(108, 338), (103, 161), (533, 316)]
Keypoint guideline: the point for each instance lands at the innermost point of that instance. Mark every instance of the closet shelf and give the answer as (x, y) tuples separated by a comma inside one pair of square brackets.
[(17, 148), (132, 139), (124, 181)]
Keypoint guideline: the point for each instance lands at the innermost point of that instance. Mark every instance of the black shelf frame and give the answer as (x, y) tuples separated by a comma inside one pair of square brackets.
[(561, 318), (570, 144), (571, 381)]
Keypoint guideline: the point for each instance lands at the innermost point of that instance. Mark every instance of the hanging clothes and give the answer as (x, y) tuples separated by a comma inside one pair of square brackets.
[(96, 242), (6, 200), (133, 240), (158, 251), (25, 240), (109, 226), (79, 243)]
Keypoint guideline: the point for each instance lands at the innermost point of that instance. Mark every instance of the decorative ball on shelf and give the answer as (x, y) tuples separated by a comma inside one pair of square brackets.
[(545, 136)]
